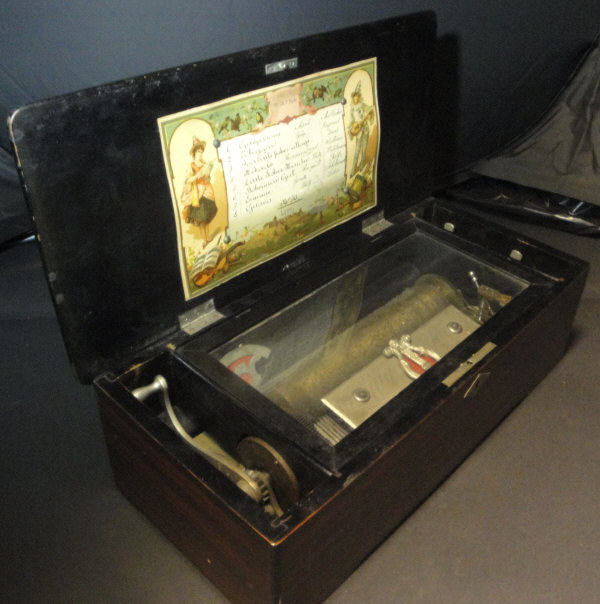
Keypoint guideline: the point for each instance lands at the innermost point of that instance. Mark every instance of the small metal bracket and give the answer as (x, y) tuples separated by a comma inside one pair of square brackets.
[(469, 363), (283, 65), (199, 317), (375, 224)]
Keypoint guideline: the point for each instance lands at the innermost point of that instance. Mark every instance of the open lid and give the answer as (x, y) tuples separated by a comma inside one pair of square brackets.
[(129, 215)]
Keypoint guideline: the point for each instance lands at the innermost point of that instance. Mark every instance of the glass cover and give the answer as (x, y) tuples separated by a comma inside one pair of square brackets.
[(336, 356)]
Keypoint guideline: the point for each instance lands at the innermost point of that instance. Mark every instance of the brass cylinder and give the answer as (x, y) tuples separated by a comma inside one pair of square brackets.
[(337, 360)]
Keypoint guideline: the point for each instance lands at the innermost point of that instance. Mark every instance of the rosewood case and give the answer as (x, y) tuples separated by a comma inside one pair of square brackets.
[(366, 334)]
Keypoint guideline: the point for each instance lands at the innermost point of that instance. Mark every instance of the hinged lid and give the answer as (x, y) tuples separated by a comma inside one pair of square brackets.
[(114, 209)]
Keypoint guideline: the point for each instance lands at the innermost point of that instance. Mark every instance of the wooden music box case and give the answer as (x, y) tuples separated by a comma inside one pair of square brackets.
[(292, 343)]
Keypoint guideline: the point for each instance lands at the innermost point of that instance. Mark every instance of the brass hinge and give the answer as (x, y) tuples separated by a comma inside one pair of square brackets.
[(375, 224)]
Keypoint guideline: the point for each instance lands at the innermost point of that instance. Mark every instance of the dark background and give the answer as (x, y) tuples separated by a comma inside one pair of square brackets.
[(500, 64)]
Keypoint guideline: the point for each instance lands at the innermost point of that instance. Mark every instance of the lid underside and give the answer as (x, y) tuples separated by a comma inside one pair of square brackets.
[(93, 173)]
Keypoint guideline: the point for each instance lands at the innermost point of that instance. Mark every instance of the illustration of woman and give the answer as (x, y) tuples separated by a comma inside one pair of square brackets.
[(198, 196)]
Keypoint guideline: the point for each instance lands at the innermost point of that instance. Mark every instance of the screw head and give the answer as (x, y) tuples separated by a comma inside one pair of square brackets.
[(361, 395), (454, 327)]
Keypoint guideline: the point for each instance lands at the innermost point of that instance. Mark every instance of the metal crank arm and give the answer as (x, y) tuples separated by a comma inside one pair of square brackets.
[(253, 483)]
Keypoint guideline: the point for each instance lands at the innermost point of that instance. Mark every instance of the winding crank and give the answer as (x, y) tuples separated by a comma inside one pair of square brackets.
[(261, 472)]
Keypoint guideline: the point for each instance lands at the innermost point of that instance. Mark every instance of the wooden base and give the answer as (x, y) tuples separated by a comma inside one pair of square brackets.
[(306, 555)]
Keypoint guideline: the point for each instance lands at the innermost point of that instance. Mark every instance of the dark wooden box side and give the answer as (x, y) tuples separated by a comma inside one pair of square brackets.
[(225, 548), (320, 555)]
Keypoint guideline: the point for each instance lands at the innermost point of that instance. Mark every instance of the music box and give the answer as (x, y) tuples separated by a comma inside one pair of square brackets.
[(292, 343)]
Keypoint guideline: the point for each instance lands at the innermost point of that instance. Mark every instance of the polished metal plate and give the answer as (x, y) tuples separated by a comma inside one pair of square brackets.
[(377, 383)]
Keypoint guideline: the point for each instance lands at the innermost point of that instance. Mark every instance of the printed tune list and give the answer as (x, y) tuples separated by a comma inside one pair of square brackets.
[(286, 167)]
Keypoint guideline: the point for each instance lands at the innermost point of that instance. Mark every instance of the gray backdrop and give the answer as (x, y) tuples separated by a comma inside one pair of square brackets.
[(500, 63)]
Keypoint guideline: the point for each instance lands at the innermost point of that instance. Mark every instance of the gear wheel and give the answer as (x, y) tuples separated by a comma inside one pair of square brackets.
[(265, 491), (264, 459)]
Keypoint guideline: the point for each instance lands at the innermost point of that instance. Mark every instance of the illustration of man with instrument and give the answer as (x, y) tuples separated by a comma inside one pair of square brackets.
[(362, 116)]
